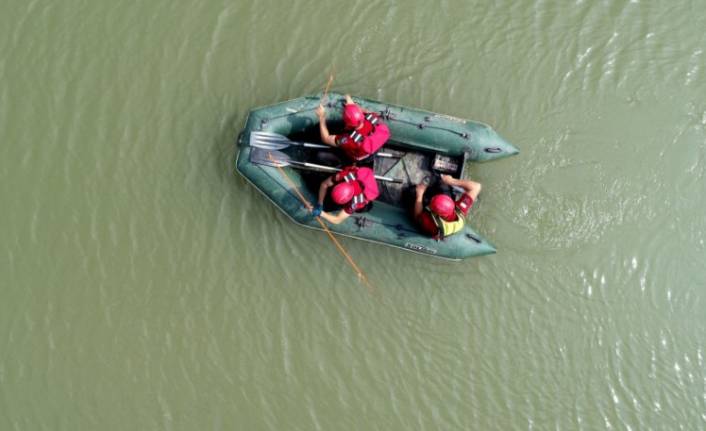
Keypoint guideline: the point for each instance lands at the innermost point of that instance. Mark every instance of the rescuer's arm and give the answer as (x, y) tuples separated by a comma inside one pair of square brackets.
[(326, 137), (335, 219), (418, 202), (471, 188), (323, 188)]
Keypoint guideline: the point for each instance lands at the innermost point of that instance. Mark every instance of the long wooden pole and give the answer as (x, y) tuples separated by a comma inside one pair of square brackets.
[(361, 276), (328, 85)]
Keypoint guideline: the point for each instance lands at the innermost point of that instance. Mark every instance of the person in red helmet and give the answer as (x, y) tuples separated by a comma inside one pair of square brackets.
[(354, 188), (365, 131), (444, 216)]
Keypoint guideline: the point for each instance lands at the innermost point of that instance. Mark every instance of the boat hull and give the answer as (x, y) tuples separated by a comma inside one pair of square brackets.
[(386, 223)]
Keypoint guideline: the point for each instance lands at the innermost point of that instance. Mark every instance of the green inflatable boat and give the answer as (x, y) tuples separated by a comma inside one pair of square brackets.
[(280, 149)]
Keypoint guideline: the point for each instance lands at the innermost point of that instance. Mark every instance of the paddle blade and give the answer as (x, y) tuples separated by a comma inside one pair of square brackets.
[(269, 141)]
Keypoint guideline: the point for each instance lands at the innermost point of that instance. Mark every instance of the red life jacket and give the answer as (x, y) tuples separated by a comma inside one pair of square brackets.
[(364, 184), (366, 140)]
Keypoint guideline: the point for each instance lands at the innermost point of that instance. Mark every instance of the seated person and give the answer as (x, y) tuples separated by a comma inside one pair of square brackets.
[(365, 132), (443, 216), (354, 187)]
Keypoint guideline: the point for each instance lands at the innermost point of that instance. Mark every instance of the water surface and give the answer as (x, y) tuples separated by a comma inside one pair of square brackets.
[(144, 285)]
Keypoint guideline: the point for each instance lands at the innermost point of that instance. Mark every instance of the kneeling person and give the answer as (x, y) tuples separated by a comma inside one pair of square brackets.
[(444, 216), (354, 188), (365, 131)]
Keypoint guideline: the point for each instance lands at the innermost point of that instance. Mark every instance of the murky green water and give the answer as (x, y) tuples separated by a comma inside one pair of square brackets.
[(143, 285)]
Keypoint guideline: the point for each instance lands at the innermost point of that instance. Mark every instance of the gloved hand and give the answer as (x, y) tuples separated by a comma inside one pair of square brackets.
[(317, 210)]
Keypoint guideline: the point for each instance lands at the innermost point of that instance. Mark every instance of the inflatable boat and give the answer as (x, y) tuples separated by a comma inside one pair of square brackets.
[(280, 154)]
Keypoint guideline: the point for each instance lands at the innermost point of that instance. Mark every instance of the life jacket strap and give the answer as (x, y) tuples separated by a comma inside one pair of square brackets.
[(358, 137), (358, 200)]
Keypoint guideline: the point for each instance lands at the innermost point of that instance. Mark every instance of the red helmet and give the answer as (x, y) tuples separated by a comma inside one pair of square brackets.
[(343, 192), (352, 115), (443, 205)]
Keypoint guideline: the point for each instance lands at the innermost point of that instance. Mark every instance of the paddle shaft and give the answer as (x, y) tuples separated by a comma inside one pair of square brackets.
[(275, 141), (327, 147), (332, 169)]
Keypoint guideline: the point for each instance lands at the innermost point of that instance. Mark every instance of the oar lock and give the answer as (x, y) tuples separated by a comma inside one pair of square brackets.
[(363, 222), (426, 119)]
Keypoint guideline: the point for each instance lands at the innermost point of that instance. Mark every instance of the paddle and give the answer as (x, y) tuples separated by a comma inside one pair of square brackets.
[(274, 141), (278, 159), (361, 275), (328, 85)]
